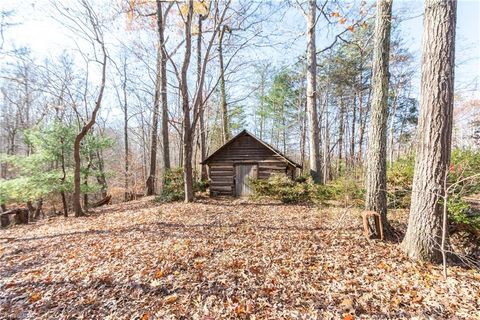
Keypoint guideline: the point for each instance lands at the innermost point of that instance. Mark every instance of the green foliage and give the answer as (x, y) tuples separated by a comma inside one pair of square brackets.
[(280, 187), (399, 182), (347, 190), (303, 189), (201, 185), (49, 168), (173, 188), (458, 210), (464, 164)]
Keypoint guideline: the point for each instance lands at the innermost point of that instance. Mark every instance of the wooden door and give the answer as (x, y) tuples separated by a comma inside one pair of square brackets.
[(244, 172)]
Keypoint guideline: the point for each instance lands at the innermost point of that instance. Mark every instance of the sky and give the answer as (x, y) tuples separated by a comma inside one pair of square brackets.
[(37, 30)]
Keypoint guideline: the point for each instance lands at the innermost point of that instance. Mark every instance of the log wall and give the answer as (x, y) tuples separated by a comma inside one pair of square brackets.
[(245, 149)]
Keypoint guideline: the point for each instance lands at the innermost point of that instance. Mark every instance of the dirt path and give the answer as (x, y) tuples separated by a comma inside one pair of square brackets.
[(216, 260)]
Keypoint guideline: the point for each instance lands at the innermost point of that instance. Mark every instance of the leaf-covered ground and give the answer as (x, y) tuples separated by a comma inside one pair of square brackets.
[(220, 259)]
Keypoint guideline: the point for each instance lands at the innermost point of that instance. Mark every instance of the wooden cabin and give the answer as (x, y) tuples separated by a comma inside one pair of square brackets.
[(241, 158)]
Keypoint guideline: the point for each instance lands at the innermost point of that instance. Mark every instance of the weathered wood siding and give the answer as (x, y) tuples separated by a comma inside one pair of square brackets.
[(246, 150)]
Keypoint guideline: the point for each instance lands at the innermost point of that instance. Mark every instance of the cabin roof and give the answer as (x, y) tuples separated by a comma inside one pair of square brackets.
[(246, 133)]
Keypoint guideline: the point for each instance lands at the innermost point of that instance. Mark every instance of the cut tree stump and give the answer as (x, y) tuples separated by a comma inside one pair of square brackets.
[(14, 216)]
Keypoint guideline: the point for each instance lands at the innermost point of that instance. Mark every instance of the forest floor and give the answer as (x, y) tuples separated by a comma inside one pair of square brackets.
[(220, 259)]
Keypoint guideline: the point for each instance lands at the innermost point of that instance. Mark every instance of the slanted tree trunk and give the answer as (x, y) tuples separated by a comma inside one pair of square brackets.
[(77, 207), (312, 113), (376, 165), (423, 236)]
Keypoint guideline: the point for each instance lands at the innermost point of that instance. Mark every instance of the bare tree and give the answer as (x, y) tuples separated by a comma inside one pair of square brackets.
[(90, 30), (424, 230), (160, 98)]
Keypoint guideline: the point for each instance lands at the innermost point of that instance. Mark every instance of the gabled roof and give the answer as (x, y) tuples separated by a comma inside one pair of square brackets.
[(246, 133)]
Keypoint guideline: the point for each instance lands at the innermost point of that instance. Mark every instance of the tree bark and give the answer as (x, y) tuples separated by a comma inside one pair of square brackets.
[(163, 84), (312, 113), (352, 136), (187, 130), (341, 135), (202, 126), (223, 94), (376, 172), (423, 236), (126, 195), (77, 207)]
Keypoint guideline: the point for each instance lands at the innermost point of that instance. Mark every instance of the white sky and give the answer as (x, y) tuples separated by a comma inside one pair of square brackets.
[(46, 37)]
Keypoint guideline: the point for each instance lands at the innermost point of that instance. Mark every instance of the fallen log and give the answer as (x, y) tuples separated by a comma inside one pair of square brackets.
[(14, 216), (102, 202)]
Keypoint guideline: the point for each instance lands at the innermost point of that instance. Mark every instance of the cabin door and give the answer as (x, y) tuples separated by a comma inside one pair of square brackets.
[(244, 172)]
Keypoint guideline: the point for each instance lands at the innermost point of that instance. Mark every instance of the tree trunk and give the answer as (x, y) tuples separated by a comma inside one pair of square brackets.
[(202, 126), (101, 176), (223, 94), (341, 134), (390, 133), (126, 196), (315, 160), (64, 203), (376, 172), (423, 236), (163, 85), (352, 136), (154, 134), (187, 131), (77, 207), (303, 131), (38, 209)]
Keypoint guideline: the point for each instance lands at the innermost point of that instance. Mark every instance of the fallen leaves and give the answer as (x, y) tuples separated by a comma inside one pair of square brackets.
[(171, 298), (220, 259), (34, 297)]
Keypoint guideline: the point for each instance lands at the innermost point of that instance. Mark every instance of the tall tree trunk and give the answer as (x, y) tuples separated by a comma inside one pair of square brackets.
[(163, 83), (187, 131), (376, 166), (63, 179), (422, 240), (315, 160), (154, 134), (360, 124), (223, 94), (390, 131), (363, 125), (352, 136), (126, 196), (341, 134), (202, 126), (303, 131)]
